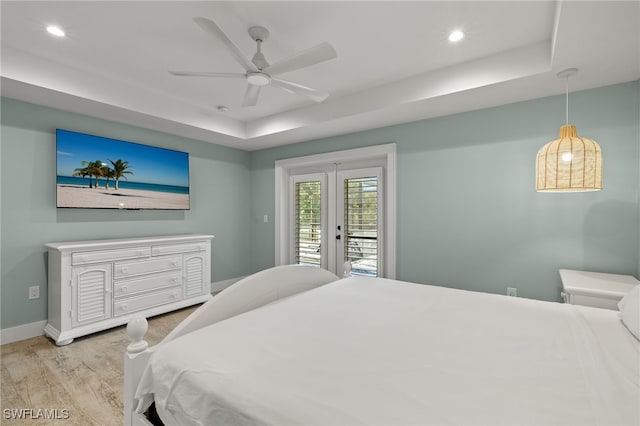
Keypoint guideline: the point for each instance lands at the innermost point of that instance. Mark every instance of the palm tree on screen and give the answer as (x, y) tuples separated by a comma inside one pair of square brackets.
[(91, 168), (108, 173), (120, 170), (83, 172), (94, 168)]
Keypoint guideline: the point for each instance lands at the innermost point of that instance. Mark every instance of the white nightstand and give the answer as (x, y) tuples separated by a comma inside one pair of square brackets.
[(594, 288)]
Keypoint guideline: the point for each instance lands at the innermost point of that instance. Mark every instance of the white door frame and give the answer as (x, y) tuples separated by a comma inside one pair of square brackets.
[(284, 169)]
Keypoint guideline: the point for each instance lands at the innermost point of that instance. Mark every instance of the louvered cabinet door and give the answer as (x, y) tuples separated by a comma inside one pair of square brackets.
[(194, 273), (91, 294)]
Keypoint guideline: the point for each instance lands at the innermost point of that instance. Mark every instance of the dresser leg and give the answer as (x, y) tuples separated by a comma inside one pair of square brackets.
[(64, 342)]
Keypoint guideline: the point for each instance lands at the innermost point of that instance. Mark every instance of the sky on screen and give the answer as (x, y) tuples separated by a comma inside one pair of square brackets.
[(148, 164)]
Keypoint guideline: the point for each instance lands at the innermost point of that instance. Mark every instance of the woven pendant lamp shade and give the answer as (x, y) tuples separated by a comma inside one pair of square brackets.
[(569, 164)]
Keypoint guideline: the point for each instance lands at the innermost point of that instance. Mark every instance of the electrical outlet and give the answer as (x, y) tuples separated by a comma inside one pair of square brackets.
[(34, 292), (512, 291)]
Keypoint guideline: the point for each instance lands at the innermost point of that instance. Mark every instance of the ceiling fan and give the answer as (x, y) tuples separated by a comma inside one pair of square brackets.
[(259, 72)]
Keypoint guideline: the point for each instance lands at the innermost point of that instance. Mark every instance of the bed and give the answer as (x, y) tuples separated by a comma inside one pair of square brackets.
[(296, 345)]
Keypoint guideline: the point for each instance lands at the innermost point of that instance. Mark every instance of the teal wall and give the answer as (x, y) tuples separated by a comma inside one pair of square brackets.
[(468, 214), (220, 202)]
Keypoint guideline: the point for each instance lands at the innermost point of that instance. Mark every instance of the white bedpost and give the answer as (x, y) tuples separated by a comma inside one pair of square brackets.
[(135, 360)]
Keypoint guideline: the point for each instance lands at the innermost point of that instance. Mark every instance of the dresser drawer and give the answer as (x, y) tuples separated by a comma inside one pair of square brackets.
[(79, 258), (178, 248), (133, 304), (128, 269), (147, 283)]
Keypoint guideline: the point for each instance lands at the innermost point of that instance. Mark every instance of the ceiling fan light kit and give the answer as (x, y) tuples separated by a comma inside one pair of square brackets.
[(258, 78), (258, 72)]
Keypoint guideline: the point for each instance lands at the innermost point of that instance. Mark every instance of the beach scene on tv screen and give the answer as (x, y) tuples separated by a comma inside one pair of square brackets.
[(97, 172)]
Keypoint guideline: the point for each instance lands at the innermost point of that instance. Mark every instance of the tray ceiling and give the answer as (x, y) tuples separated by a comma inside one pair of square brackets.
[(394, 62)]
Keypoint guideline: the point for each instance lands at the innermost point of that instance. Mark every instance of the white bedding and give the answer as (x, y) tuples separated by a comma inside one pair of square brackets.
[(382, 352)]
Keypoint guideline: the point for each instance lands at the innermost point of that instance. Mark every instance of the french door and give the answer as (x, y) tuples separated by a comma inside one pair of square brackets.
[(338, 207), (336, 216)]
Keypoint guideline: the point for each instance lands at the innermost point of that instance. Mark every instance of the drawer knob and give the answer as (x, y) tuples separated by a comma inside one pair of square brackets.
[(123, 270), (124, 289), (123, 307)]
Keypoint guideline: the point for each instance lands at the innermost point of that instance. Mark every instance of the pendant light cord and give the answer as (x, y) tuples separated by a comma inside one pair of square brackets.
[(566, 74), (567, 99)]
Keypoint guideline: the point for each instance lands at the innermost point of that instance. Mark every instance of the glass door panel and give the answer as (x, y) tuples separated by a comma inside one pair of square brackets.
[(308, 236), (308, 218), (360, 210)]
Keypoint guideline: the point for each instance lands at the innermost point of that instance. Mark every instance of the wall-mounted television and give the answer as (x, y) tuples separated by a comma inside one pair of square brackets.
[(101, 173)]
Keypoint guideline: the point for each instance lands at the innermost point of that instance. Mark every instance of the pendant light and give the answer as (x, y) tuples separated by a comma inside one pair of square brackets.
[(569, 163)]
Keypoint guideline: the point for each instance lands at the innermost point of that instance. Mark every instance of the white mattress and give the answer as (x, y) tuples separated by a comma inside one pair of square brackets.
[(381, 352)]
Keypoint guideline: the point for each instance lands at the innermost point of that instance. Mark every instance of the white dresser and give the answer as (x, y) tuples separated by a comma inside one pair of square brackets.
[(96, 285), (595, 289)]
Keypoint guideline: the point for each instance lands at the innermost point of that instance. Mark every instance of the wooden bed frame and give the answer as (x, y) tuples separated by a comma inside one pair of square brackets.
[(247, 294)]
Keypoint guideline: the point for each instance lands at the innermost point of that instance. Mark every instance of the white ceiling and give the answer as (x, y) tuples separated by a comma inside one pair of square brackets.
[(394, 63)]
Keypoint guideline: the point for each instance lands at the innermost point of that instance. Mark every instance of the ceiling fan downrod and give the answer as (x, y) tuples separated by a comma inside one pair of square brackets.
[(259, 34)]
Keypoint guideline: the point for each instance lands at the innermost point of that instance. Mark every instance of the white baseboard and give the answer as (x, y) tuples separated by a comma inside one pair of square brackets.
[(35, 329), (22, 332)]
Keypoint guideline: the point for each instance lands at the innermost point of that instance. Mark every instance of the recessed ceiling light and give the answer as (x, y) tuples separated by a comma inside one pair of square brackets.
[(456, 35), (55, 30)]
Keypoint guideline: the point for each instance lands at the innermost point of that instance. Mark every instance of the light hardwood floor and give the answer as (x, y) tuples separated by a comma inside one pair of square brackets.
[(85, 378)]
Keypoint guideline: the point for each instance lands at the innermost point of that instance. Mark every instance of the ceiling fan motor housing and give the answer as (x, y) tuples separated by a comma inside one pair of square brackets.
[(259, 60)]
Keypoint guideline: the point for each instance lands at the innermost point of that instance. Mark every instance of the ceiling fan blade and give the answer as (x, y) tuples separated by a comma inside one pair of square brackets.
[(314, 55), (251, 95), (207, 74), (209, 26), (298, 89)]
